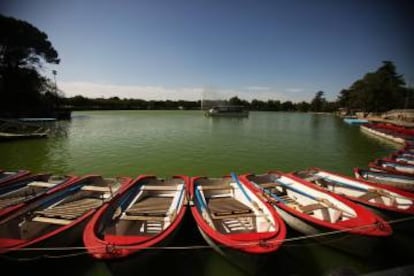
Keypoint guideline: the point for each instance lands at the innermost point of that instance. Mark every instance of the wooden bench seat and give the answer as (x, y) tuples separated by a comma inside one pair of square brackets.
[(159, 188), (307, 209), (151, 206), (216, 187), (41, 184), (228, 206), (92, 188), (145, 218), (52, 220)]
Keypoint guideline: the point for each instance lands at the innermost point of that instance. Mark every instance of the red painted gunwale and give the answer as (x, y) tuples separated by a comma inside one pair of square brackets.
[(256, 243), (10, 178), (408, 211), (19, 244), (37, 177), (106, 247), (364, 224)]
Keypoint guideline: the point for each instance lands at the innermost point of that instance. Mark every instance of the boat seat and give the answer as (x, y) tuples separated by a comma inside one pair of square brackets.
[(52, 220), (159, 188), (227, 206), (150, 206), (372, 195), (217, 187), (145, 218), (93, 188), (41, 184), (369, 195), (308, 209)]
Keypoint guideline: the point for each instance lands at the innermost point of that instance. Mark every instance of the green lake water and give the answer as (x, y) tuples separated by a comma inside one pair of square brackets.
[(166, 143)]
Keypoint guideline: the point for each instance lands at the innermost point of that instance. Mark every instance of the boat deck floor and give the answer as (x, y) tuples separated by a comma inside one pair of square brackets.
[(151, 206), (5, 202), (71, 210), (231, 216)]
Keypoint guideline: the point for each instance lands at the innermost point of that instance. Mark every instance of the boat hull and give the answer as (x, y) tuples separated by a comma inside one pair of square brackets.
[(53, 246), (359, 245), (248, 262), (388, 179)]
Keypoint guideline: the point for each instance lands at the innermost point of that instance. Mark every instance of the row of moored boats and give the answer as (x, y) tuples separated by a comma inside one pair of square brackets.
[(118, 218)]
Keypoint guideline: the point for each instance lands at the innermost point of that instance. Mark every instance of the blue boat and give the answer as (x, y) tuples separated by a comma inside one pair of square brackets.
[(355, 121)]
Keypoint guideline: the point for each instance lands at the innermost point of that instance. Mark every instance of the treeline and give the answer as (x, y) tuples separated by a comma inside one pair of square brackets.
[(378, 91), (319, 104)]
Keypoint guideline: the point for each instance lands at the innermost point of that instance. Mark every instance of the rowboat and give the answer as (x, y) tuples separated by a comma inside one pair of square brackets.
[(9, 176), (145, 214), (401, 157), (392, 167), (56, 219), (395, 180), (387, 201), (12, 129), (234, 221), (24, 190), (317, 213), (227, 111)]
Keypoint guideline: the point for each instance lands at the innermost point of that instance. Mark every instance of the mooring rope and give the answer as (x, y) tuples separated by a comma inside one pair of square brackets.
[(190, 247)]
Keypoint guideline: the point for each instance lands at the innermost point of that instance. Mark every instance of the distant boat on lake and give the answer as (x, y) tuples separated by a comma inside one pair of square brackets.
[(10, 129), (227, 111)]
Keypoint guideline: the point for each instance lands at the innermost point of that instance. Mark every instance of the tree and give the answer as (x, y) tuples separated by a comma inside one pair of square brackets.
[(318, 103), (23, 51), (377, 91)]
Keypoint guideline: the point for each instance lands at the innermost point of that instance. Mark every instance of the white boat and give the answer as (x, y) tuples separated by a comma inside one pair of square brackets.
[(314, 212), (10, 129), (227, 111), (387, 201)]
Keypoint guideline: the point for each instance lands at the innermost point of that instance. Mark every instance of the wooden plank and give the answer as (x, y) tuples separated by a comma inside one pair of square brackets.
[(41, 184), (216, 187), (52, 220), (96, 188), (311, 207), (159, 188), (145, 218)]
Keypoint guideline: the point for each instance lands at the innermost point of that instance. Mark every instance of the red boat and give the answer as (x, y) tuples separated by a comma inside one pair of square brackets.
[(24, 190), (235, 221), (7, 177), (398, 181), (392, 167), (322, 215), (387, 201), (56, 219), (145, 214)]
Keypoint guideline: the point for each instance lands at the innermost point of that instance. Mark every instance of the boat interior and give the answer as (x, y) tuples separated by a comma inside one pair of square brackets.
[(30, 190), (153, 208), (227, 209), (322, 208), (56, 212), (343, 186)]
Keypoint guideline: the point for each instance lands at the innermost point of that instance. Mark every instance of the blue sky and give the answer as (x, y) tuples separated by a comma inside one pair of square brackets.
[(176, 49)]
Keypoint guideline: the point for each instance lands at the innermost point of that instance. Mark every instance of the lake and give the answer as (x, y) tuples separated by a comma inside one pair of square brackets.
[(166, 143)]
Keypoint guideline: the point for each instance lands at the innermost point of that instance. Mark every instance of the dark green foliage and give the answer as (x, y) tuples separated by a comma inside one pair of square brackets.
[(24, 49), (377, 91)]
